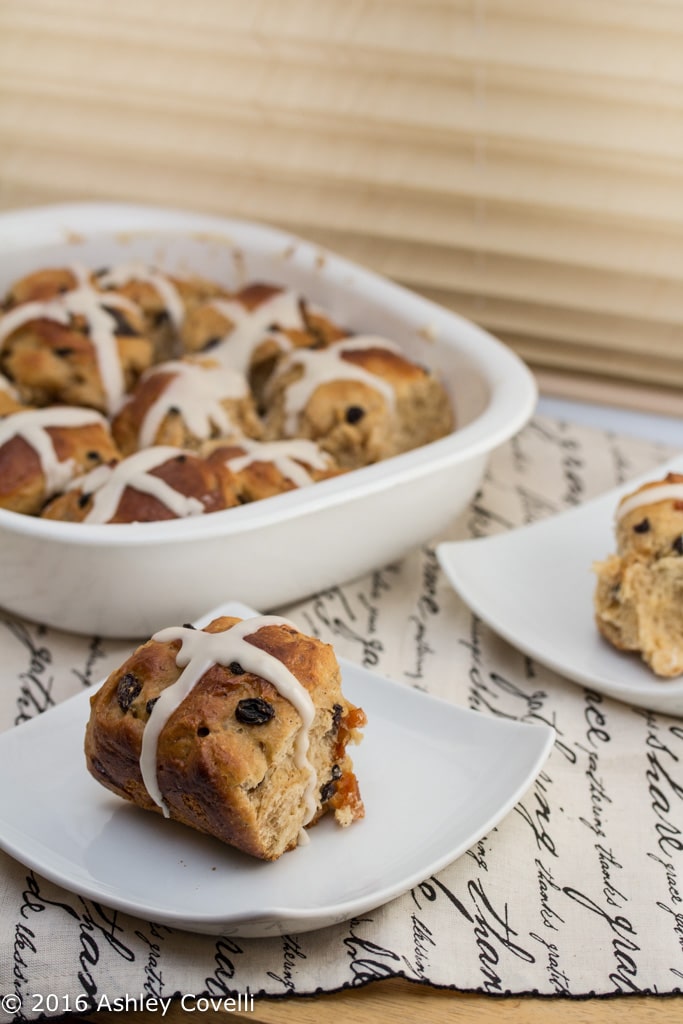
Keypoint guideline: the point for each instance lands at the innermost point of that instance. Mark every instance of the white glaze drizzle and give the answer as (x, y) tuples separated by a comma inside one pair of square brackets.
[(199, 651), (252, 326), (51, 309), (85, 301), (32, 425), (661, 492), (286, 455), (164, 287), (327, 364), (107, 484), (197, 392)]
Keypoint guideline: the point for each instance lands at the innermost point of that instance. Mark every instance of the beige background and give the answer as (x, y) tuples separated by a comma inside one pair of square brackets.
[(518, 160)]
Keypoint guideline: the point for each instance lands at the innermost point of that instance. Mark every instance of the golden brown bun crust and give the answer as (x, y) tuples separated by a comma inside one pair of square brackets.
[(22, 483), (191, 292), (206, 326), (50, 362), (352, 420), (188, 474), (216, 773), (127, 422), (41, 286), (260, 478), (173, 430), (158, 317), (639, 593)]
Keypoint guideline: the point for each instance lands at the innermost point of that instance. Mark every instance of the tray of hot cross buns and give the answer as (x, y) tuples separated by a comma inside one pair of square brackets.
[(193, 407)]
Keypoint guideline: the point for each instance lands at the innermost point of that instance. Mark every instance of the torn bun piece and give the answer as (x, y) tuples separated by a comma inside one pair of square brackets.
[(76, 347), (185, 403), (264, 469), (639, 594), (239, 730), (361, 399), (153, 484), (43, 450)]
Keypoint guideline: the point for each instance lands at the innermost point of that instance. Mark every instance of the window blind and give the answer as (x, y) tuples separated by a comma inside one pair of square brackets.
[(520, 161)]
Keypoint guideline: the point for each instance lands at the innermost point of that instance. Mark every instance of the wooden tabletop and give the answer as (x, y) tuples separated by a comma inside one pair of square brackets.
[(403, 1002)]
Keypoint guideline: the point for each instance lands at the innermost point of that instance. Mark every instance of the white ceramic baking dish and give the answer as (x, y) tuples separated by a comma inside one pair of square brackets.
[(129, 579)]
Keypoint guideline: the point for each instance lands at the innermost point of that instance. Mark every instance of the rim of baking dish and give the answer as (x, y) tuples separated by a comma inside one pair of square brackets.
[(512, 391)]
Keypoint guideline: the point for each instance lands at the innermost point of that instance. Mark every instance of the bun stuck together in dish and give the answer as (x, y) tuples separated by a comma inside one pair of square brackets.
[(43, 450), (261, 469), (184, 403), (168, 361), (360, 398), (62, 340), (153, 484), (251, 330), (165, 300), (239, 730), (639, 595)]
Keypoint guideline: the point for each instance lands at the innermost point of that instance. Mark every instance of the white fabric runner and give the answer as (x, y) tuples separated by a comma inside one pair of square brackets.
[(578, 891)]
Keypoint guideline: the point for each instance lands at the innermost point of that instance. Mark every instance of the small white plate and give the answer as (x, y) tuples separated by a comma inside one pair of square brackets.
[(534, 586), (434, 778)]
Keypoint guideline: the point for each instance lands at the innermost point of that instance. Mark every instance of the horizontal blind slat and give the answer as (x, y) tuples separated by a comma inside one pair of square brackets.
[(517, 160), (477, 32), (406, 156)]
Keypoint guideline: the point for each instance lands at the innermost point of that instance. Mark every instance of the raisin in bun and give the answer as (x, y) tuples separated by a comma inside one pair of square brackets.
[(164, 299), (263, 469), (184, 403), (62, 341), (361, 399), (42, 450), (250, 750), (150, 485), (252, 329), (639, 593)]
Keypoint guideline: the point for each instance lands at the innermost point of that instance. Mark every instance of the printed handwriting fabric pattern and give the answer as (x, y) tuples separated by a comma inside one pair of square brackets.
[(512, 915)]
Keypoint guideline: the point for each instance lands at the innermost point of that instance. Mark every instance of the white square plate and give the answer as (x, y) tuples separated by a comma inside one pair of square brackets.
[(434, 778), (534, 586)]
